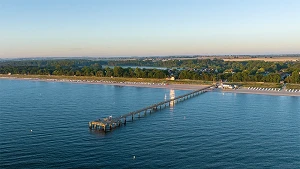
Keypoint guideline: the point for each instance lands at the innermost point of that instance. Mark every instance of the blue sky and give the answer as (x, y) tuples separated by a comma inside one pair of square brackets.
[(36, 28)]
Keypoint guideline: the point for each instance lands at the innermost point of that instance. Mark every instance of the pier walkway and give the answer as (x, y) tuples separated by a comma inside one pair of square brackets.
[(107, 124)]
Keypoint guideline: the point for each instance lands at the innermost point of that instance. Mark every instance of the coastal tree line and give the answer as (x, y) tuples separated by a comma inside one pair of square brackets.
[(197, 69)]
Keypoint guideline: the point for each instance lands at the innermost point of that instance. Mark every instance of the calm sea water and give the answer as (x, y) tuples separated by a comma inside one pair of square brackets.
[(213, 130)]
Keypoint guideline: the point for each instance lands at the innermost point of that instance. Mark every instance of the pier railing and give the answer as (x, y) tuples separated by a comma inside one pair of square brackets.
[(107, 124)]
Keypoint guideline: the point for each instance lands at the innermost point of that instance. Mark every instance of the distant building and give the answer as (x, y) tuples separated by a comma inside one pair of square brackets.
[(229, 71), (170, 78), (283, 75), (227, 86)]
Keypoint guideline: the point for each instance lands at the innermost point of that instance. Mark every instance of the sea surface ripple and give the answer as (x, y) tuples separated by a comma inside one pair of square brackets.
[(45, 125)]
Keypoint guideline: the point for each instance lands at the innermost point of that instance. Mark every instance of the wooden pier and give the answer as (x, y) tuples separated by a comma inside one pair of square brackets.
[(109, 123)]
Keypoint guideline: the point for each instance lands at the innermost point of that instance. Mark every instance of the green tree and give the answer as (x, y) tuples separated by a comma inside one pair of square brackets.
[(118, 71), (295, 77), (99, 73)]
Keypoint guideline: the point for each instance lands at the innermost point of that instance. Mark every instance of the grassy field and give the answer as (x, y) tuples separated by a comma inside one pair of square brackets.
[(293, 86), (266, 59)]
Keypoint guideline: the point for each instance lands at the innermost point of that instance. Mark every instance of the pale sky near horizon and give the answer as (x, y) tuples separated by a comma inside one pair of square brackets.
[(101, 28)]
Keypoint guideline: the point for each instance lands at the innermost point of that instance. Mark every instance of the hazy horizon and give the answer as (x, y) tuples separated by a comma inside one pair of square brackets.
[(76, 28)]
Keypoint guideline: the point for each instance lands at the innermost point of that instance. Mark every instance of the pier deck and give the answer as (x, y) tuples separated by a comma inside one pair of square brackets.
[(107, 124)]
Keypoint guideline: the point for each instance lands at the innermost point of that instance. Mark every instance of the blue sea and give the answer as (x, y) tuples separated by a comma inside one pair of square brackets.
[(45, 125)]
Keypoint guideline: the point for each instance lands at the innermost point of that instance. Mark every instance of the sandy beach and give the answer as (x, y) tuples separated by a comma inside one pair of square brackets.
[(120, 84), (263, 92), (164, 86)]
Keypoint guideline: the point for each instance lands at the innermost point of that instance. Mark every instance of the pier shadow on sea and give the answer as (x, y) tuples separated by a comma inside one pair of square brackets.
[(99, 133)]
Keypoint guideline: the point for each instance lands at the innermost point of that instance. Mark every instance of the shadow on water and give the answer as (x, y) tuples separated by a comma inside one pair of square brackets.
[(99, 133)]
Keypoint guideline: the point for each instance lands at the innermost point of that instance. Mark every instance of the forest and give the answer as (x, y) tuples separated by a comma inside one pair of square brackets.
[(194, 69)]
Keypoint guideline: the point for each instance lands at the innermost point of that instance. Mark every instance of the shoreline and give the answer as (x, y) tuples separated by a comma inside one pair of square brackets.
[(119, 84), (160, 86), (259, 92)]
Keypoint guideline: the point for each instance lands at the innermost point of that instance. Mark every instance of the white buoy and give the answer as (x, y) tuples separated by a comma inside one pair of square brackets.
[(133, 157), (30, 130)]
